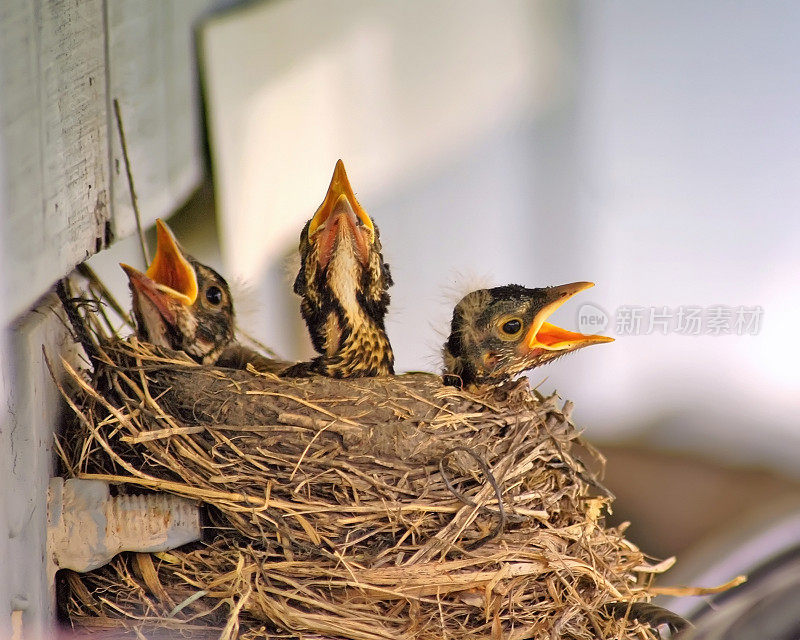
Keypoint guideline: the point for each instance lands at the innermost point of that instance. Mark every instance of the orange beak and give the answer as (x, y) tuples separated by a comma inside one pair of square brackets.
[(340, 209), (169, 280), (170, 270), (164, 300), (543, 335)]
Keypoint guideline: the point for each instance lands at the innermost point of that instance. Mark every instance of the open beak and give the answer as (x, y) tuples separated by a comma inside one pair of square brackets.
[(170, 280), (163, 300), (340, 211), (170, 270), (543, 335)]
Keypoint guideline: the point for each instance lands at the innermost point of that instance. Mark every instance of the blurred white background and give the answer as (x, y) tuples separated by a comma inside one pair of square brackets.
[(652, 148)]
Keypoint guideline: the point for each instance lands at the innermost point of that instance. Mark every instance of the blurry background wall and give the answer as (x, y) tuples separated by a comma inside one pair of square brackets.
[(651, 148)]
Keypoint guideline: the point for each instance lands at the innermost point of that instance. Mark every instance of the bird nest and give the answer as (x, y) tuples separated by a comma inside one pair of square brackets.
[(390, 507)]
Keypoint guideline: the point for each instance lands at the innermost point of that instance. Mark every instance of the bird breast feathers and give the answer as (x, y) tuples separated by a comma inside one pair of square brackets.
[(345, 270)]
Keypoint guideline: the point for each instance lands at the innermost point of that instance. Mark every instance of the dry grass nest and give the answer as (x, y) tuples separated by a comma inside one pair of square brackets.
[(377, 508)]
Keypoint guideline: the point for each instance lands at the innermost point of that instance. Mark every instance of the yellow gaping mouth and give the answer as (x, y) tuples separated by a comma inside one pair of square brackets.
[(170, 270), (340, 207), (543, 335)]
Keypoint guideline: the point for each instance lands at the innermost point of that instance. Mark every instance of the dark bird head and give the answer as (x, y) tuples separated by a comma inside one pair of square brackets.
[(343, 282), (180, 303), (498, 333)]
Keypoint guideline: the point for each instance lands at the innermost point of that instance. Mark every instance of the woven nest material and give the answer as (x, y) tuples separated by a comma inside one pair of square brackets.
[(363, 509)]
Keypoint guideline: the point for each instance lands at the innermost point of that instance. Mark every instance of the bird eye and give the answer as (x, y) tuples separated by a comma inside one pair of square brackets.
[(512, 327), (214, 295)]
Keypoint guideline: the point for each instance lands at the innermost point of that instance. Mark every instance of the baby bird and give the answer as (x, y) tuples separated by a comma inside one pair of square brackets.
[(180, 303), (343, 281), (498, 333)]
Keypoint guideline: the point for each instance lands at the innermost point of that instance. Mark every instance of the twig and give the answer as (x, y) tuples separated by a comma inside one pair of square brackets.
[(78, 325), (87, 272), (134, 200), (498, 529)]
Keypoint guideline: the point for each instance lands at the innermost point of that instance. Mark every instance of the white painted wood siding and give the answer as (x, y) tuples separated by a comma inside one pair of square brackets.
[(54, 142), (65, 193), (63, 197)]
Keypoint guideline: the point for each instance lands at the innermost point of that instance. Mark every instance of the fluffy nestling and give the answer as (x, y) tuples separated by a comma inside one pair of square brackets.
[(498, 333), (343, 281), (180, 303)]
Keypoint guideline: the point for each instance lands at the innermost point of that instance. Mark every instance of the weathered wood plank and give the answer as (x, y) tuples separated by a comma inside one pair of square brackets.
[(53, 127), (31, 409), (59, 69)]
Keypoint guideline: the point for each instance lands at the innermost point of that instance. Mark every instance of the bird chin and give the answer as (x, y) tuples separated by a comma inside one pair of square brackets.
[(526, 353), (158, 327), (539, 357), (158, 302)]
